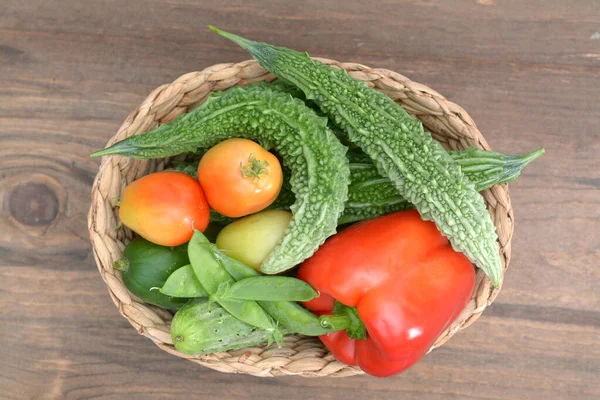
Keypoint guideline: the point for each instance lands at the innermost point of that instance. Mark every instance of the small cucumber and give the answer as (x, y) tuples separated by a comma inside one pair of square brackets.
[(146, 266), (204, 327)]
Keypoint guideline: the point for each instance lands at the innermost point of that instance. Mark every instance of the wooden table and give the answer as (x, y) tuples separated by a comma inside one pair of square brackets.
[(70, 71)]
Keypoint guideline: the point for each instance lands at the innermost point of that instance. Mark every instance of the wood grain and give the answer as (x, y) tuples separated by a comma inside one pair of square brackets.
[(70, 72)]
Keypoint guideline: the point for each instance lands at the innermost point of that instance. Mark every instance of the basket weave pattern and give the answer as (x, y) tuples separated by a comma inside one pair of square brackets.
[(448, 123)]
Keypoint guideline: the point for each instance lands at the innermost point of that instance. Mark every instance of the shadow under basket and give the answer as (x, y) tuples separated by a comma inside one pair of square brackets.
[(300, 355)]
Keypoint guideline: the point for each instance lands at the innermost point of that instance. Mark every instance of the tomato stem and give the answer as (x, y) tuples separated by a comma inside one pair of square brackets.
[(255, 168)]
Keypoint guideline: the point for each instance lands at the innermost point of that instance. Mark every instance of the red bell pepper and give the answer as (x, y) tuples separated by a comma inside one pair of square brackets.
[(397, 278)]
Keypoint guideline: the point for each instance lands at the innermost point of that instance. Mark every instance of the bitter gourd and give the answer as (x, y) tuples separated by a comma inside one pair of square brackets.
[(487, 168), (420, 169), (319, 167), (371, 195)]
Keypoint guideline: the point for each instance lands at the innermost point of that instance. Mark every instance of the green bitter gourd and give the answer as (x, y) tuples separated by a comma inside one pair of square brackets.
[(421, 170), (319, 167), (371, 195)]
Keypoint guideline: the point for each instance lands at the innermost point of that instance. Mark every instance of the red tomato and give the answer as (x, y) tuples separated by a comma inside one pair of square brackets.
[(165, 208), (239, 177)]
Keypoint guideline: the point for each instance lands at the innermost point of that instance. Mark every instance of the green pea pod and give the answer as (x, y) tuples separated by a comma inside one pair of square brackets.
[(183, 283), (295, 317), (268, 288), (237, 269), (211, 274), (289, 314)]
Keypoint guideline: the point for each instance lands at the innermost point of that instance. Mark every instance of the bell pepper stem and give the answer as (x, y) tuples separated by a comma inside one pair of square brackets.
[(335, 322), (344, 318)]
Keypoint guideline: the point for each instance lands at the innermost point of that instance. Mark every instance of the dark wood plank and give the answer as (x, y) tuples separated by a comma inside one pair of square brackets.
[(70, 72)]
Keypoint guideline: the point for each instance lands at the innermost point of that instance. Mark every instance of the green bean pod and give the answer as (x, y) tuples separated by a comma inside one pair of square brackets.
[(289, 314), (268, 288), (183, 283), (211, 274)]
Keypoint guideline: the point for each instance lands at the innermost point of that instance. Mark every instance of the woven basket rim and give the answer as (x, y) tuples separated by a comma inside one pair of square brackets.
[(448, 123)]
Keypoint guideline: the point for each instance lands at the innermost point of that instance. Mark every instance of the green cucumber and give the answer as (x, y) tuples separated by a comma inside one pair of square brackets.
[(145, 267), (204, 327), (183, 283)]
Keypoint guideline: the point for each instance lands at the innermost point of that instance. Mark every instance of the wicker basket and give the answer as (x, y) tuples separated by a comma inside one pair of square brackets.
[(305, 356)]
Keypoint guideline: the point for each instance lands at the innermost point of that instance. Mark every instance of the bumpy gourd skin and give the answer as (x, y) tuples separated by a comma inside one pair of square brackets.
[(420, 169), (369, 194), (317, 160), (486, 168)]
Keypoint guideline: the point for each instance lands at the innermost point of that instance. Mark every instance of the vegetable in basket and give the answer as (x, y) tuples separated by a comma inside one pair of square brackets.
[(389, 287), (239, 177), (288, 314), (164, 207), (145, 267), (204, 327), (317, 160), (371, 195), (251, 239), (420, 169), (211, 274), (183, 283), (276, 300)]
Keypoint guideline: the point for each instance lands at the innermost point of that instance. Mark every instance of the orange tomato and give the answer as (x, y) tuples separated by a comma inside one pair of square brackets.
[(165, 208), (239, 177)]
